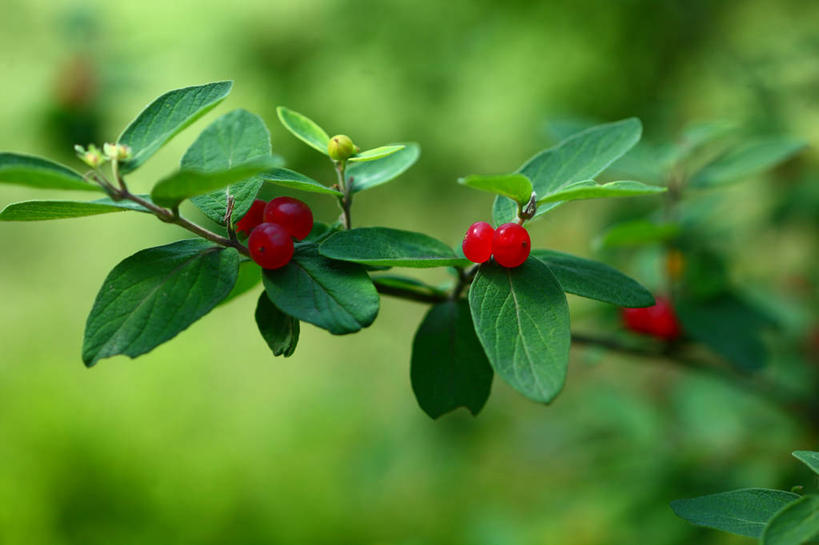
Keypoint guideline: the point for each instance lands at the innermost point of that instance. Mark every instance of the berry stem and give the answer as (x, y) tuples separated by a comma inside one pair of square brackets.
[(346, 200)]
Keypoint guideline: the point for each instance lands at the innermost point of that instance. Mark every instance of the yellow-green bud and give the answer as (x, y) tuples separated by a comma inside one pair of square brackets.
[(120, 152), (92, 156), (341, 147)]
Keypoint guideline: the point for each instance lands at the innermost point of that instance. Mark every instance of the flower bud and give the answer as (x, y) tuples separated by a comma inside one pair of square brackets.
[(119, 152), (341, 147), (92, 156)]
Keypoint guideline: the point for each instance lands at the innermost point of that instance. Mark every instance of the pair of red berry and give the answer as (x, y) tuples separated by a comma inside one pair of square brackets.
[(509, 244), (658, 321), (272, 226)]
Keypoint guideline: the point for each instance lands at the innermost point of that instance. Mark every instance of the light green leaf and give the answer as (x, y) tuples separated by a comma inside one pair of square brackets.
[(522, 320), (580, 157), (166, 116), (744, 512), (746, 160), (381, 246), (186, 183), (55, 210), (334, 295), (296, 180), (304, 129), (809, 458), (374, 173), (280, 331), (513, 186), (375, 153), (155, 294), (589, 189), (637, 233), (449, 368), (794, 524), (594, 280), (40, 173), (235, 138)]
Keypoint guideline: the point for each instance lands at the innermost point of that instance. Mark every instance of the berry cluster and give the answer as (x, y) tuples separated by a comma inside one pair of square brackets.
[(658, 321), (509, 244), (271, 228)]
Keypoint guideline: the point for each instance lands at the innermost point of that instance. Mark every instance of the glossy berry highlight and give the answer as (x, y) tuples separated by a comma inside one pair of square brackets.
[(252, 218), (270, 245), (658, 321), (511, 245), (477, 244), (292, 214)]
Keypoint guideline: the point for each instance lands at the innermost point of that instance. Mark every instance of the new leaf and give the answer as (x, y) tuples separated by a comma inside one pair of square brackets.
[(40, 173)]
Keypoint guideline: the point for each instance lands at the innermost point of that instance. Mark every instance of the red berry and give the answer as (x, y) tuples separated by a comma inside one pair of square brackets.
[(292, 214), (511, 245), (270, 246), (658, 320), (252, 218), (477, 244)]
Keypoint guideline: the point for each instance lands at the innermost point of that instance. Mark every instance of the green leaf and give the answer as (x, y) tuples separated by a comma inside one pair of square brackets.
[(391, 283), (729, 326), (304, 129), (55, 210), (186, 183), (794, 524), (375, 153), (594, 280), (746, 160), (390, 248), (742, 512), (374, 173), (809, 458), (589, 189), (40, 173), (296, 180), (580, 157), (513, 186), (522, 320), (249, 276), (235, 138), (449, 368), (155, 294), (280, 331), (166, 117), (637, 233), (334, 295)]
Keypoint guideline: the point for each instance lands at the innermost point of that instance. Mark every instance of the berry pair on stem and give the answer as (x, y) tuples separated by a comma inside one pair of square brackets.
[(271, 228), (509, 244)]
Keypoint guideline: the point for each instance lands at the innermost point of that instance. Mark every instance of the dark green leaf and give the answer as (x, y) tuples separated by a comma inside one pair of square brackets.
[(746, 160), (449, 368), (304, 129), (375, 153), (594, 280), (40, 173), (589, 189), (809, 458), (155, 294), (166, 116), (280, 331), (522, 320), (580, 157), (236, 138), (55, 210), (334, 295), (794, 524), (374, 173), (742, 512), (186, 183), (249, 276), (389, 247), (729, 326), (390, 283), (513, 186), (637, 233), (296, 180)]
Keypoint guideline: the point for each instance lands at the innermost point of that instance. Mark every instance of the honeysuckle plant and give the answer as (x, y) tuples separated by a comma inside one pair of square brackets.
[(513, 321)]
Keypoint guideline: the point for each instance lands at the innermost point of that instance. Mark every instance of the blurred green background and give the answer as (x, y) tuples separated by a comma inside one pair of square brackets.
[(208, 439)]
